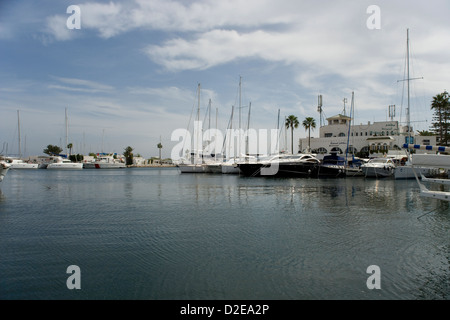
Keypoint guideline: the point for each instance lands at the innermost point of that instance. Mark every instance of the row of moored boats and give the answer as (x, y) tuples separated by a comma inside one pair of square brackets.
[(309, 165), (58, 162)]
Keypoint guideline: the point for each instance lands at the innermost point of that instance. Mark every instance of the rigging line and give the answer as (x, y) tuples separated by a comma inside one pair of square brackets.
[(427, 213)]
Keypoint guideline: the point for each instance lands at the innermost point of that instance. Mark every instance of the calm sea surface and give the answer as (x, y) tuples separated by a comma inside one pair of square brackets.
[(146, 233)]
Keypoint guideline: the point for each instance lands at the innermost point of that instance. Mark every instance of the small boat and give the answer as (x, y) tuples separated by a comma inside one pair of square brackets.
[(61, 163), (4, 167), (378, 168)]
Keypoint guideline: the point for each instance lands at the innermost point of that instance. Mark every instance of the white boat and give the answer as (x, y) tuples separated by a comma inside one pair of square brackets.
[(21, 164), (407, 172), (104, 162), (378, 168), (4, 168), (439, 161), (64, 164)]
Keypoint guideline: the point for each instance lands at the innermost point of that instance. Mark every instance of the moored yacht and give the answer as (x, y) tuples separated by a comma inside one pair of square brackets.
[(61, 163), (21, 164), (285, 165), (104, 162), (379, 168)]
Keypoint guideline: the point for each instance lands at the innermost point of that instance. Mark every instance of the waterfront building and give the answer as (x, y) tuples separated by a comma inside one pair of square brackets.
[(366, 140)]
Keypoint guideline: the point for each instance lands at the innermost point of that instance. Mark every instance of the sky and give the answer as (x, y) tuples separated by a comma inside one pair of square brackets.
[(128, 76)]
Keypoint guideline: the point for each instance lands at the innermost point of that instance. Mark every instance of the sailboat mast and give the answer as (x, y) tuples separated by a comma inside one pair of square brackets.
[(198, 123), (18, 128), (407, 78), (349, 127), (67, 134), (248, 128), (240, 107)]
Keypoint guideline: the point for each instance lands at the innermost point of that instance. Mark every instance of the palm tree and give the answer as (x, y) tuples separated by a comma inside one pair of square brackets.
[(159, 145), (70, 146), (292, 122), (441, 105), (309, 123)]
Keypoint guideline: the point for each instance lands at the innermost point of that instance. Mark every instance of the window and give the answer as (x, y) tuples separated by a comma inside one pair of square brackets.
[(341, 134), (328, 135)]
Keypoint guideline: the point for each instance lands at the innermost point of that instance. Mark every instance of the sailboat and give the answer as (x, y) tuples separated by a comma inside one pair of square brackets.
[(406, 171), (19, 163), (64, 163), (231, 165), (193, 163), (353, 167)]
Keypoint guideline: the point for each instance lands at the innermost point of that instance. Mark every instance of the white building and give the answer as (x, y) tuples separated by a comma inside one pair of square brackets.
[(371, 138)]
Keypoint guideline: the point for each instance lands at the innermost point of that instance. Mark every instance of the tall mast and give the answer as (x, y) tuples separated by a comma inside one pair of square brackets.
[(18, 128), (198, 122), (349, 127), (67, 135), (248, 128), (408, 119), (240, 107)]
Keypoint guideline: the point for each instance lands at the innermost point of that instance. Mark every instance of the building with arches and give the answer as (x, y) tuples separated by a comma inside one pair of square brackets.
[(370, 139)]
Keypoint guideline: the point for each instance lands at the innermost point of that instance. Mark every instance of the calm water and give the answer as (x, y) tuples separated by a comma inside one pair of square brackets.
[(158, 234)]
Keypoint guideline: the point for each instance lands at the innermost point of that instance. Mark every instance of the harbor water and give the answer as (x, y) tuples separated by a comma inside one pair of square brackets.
[(156, 234)]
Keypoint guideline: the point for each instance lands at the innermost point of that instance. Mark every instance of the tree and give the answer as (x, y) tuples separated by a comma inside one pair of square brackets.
[(128, 154), (425, 133), (159, 145), (70, 146), (292, 122), (441, 106), (52, 150), (309, 123)]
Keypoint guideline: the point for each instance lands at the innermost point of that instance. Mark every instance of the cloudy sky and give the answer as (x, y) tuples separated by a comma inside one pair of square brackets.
[(129, 75)]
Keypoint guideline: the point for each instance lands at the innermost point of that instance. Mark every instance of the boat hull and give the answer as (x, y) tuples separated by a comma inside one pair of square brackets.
[(332, 171), (103, 165), (64, 166), (230, 169), (407, 172), (192, 168), (377, 172), (283, 169)]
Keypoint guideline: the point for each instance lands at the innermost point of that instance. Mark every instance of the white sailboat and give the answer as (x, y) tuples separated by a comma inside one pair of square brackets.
[(406, 171), (19, 163), (64, 163), (193, 163), (230, 166)]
